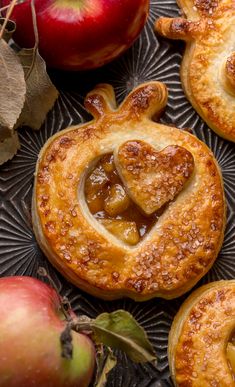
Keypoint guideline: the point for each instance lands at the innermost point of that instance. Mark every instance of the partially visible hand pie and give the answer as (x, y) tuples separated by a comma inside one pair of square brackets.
[(201, 346), (208, 67), (124, 206)]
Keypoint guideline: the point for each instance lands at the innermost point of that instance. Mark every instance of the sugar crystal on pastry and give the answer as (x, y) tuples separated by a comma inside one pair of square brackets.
[(207, 70), (201, 342), (148, 225)]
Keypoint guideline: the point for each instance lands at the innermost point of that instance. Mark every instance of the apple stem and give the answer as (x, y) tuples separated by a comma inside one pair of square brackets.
[(9, 12), (81, 324), (65, 304), (66, 343), (8, 6), (42, 272)]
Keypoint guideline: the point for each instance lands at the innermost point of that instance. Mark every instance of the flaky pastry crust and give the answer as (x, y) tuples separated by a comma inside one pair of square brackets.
[(199, 336), (208, 67), (181, 246), (169, 168)]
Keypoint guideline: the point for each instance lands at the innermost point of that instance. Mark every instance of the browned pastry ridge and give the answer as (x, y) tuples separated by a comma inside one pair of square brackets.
[(160, 167), (208, 67), (201, 342)]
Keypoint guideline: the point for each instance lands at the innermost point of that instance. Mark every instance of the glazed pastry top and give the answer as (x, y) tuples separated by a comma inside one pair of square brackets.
[(200, 334), (159, 167), (208, 68)]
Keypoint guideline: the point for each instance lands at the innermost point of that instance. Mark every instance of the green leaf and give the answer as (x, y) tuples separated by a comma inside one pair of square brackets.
[(13, 87), (120, 330), (105, 363), (9, 147), (41, 94), (9, 29)]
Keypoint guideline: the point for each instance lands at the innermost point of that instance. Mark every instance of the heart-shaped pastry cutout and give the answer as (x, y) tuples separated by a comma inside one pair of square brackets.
[(153, 178)]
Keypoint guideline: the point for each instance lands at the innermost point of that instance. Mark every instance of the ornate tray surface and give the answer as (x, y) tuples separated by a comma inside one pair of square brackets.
[(149, 59)]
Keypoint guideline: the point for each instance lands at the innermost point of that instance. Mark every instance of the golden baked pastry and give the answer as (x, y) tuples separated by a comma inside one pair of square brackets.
[(124, 206), (208, 67), (201, 347)]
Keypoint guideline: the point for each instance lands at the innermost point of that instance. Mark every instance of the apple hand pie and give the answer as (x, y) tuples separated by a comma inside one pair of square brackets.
[(208, 67), (201, 346), (124, 206)]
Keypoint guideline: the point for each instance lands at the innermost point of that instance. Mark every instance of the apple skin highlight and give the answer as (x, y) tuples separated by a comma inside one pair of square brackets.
[(80, 35)]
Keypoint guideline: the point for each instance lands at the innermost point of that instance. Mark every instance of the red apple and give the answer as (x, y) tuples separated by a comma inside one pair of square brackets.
[(80, 34), (30, 350)]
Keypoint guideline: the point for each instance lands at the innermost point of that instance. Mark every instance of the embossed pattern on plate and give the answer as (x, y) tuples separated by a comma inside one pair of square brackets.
[(149, 58)]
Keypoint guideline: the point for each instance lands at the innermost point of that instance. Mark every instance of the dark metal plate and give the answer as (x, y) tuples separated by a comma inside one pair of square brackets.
[(149, 59)]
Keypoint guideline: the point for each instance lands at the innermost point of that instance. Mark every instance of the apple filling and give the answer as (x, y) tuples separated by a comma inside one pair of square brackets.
[(110, 204), (231, 354)]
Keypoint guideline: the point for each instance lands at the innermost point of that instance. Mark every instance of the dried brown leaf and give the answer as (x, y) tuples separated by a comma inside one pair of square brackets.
[(104, 367), (4, 133), (9, 147), (7, 18), (40, 92), (13, 87)]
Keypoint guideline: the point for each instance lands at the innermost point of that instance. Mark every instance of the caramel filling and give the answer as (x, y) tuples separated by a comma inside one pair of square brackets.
[(110, 204)]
